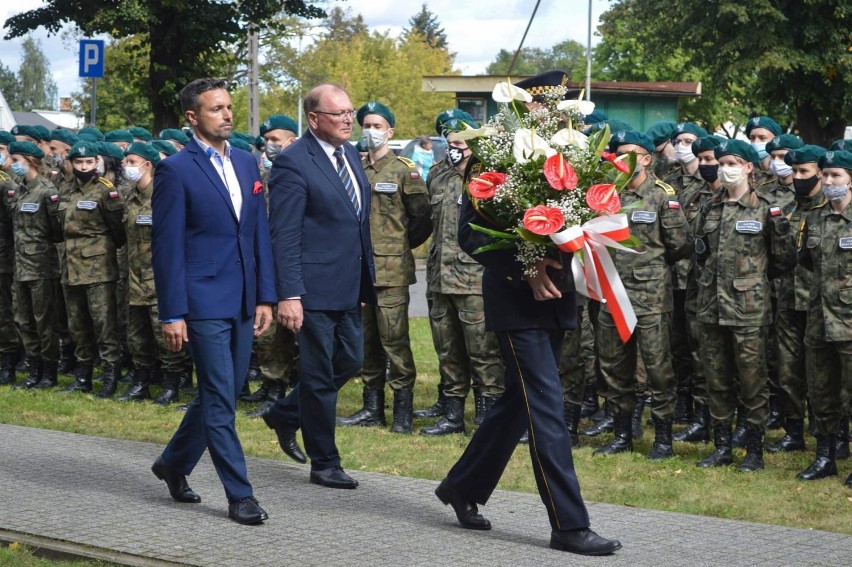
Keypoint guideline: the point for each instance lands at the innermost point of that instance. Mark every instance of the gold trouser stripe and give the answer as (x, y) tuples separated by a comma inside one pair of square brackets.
[(533, 444)]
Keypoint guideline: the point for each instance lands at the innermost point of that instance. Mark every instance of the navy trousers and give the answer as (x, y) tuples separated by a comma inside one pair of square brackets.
[(331, 351), (221, 349), (532, 400)]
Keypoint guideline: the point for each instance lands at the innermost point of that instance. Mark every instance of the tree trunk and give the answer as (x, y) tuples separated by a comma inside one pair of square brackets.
[(166, 69), (812, 132)]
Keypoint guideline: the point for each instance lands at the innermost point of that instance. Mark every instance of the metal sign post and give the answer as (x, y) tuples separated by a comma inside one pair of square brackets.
[(92, 66)]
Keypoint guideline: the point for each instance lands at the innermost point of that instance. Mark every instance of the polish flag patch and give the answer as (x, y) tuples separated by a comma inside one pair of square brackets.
[(113, 194), (415, 175), (775, 211), (54, 198), (674, 204)]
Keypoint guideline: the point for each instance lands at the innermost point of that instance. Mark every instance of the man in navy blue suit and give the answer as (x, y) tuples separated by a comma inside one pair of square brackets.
[(215, 287), (319, 200)]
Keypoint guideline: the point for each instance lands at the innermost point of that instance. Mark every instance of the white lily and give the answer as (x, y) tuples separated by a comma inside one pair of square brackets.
[(570, 137), (528, 145), (471, 133), (507, 92), (584, 107)]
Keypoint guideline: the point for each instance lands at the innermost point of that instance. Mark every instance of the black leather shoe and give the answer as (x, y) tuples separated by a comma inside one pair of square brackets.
[(287, 441), (583, 542), (467, 513), (178, 487), (333, 478), (247, 511)]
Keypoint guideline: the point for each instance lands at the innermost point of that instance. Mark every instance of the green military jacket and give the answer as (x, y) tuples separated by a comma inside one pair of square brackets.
[(7, 243), (828, 252), (91, 218), (692, 205), (659, 224), (399, 217), (740, 246), (137, 224), (37, 227), (792, 290), (685, 186), (449, 269), (784, 195), (664, 169)]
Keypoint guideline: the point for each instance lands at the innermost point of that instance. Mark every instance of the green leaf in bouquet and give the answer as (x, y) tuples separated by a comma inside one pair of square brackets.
[(623, 178), (499, 234), (599, 140), (631, 206), (533, 237), (631, 242), (496, 245)]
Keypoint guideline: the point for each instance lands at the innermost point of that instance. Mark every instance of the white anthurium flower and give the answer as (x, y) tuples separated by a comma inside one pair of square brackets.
[(506, 92), (471, 133), (570, 137), (584, 107), (529, 145)]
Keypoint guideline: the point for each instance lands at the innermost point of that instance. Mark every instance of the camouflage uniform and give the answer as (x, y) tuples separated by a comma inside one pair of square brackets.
[(399, 221), (577, 364), (8, 337), (65, 185), (121, 284)]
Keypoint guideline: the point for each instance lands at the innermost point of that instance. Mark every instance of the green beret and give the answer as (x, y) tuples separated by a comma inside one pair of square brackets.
[(737, 148), (361, 147), (447, 115), (635, 137), (457, 125), (689, 128), (43, 131), (595, 116), (141, 133), (144, 150), (378, 108), (83, 149), (279, 122), (836, 158), (174, 135), (109, 149), (6, 138), (25, 149), (661, 131), (763, 122), (164, 146), (705, 144), (26, 130), (114, 136), (784, 142), (615, 125), (835, 145), (804, 154), (240, 144), (259, 142), (89, 133), (63, 135), (244, 136)]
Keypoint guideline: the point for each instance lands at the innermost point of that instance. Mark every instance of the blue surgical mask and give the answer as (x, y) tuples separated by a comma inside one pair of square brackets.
[(267, 164), (833, 192), (760, 148), (19, 169), (2, 159), (372, 138)]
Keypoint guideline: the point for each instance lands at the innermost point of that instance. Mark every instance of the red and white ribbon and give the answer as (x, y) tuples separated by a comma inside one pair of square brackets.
[(595, 276)]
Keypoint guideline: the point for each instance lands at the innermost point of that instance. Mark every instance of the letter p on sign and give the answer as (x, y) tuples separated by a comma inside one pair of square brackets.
[(91, 58)]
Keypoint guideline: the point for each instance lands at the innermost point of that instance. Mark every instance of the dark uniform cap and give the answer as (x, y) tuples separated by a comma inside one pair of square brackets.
[(360, 147), (689, 128), (458, 124), (661, 131), (110, 150), (635, 137), (43, 131), (836, 158), (144, 150), (89, 133), (375, 107), (175, 135), (595, 116), (63, 135), (279, 122), (804, 154), (25, 149), (615, 125), (450, 114), (6, 138), (737, 148), (835, 145), (141, 133), (114, 136), (26, 130), (784, 142), (240, 144), (259, 142), (543, 82), (243, 136), (83, 149), (763, 122), (164, 146), (705, 144)]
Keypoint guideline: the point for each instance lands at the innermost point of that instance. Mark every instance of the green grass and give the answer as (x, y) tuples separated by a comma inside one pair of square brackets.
[(17, 555), (772, 495)]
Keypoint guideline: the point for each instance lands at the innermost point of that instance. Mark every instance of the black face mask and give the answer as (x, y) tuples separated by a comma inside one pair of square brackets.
[(804, 187), (86, 176), (709, 173), (455, 155)]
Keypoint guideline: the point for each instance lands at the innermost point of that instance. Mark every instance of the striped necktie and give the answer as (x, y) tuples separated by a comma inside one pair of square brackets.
[(343, 172)]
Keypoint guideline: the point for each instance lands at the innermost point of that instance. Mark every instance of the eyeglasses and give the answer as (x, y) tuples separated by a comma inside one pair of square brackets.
[(683, 142), (338, 115)]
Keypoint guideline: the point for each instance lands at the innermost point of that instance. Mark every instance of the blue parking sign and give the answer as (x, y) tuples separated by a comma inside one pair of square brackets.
[(91, 58)]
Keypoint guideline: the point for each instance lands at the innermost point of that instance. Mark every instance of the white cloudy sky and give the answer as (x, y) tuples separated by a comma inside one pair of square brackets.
[(476, 29)]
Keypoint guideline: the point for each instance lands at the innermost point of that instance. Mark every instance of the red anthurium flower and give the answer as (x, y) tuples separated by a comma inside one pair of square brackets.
[(543, 220), (603, 198), (485, 186), (558, 173), (615, 161)]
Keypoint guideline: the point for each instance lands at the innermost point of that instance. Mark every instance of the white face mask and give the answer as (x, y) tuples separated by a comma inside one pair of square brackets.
[(2, 159), (373, 139), (835, 192), (132, 173), (683, 154), (731, 176), (780, 168)]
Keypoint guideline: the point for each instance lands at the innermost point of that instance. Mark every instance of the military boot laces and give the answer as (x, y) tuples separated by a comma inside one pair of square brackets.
[(403, 411), (109, 381), (572, 422), (753, 461), (662, 448), (636, 421), (171, 389)]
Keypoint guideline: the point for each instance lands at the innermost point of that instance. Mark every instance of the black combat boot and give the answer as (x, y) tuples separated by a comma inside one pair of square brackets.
[(437, 409), (185, 385), (683, 411), (171, 389), (487, 403), (373, 412), (451, 422), (662, 448), (590, 401), (699, 430), (109, 380), (138, 391), (49, 371), (794, 440), (254, 372), (775, 419), (738, 438), (7, 371), (722, 455), (842, 439), (67, 361), (83, 381), (34, 367), (403, 411), (605, 425), (261, 394), (23, 364), (478, 408), (623, 441), (572, 414), (824, 464), (636, 420), (753, 461)]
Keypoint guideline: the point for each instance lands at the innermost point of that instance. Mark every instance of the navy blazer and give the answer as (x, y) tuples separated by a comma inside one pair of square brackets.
[(322, 248), (207, 264)]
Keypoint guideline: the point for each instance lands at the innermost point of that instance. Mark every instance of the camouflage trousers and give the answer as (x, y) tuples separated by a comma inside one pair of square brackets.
[(682, 362), (8, 336), (466, 351), (387, 346), (146, 345), (735, 365), (829, 382), (650, 344), (62, 317), (575, 367), (699, 379), (121, 290), (92, 316), (792, 374), (277, 351), (36, 316)]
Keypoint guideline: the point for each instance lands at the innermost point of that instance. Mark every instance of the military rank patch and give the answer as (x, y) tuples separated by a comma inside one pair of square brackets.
[(749, 226), (386, 187), (644, 217), (674, 204), (845, 243), (87, 205), (29, 207), (113, 194), (54, 198), (144, 219), (775, 211)]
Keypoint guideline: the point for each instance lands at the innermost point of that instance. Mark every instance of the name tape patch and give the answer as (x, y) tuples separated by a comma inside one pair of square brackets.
[(386, 187), (143, 219), (87, 205), (644, 217), (29, 207), (845, 243), (749, 226)]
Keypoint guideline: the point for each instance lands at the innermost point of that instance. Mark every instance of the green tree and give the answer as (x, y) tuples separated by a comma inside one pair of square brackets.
[(568, 56), (9, 85), (186, 38), (425, 24), (36, 87)]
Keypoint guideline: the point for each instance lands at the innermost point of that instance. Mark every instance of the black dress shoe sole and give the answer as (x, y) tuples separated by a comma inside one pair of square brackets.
[(341, 485), (558, 545), (193, 499), (249, 521)]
